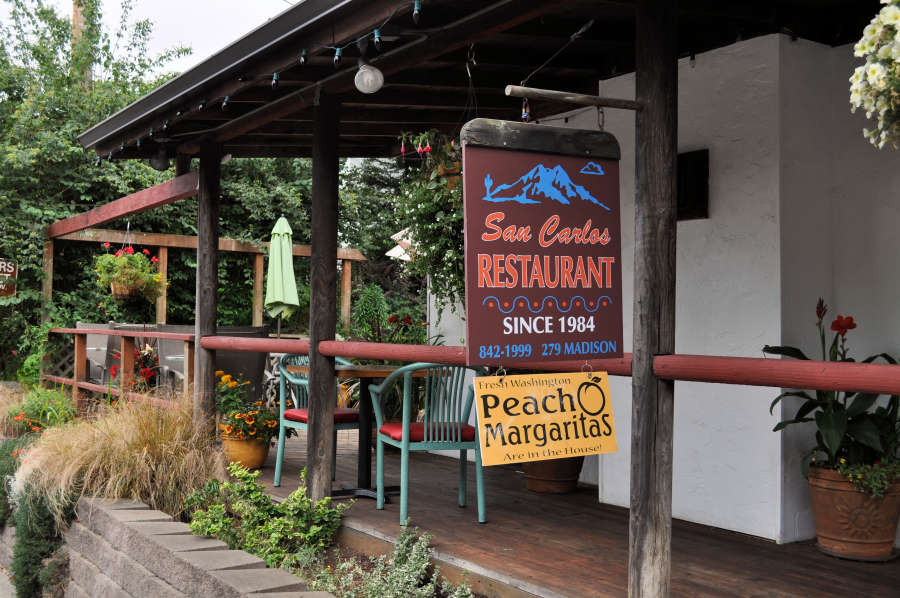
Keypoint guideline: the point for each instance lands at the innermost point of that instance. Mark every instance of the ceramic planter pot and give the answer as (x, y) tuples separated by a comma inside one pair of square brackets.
[(249, 453), (849, 523), (555, 476)]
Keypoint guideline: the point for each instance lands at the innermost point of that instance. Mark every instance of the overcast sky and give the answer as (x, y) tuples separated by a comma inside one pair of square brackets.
[(205, 25)]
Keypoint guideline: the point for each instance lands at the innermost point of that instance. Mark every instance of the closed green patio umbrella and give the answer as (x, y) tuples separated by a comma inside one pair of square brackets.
[(281, 287)]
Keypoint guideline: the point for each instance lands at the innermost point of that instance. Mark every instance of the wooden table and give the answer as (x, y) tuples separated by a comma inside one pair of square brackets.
[(367, 374)]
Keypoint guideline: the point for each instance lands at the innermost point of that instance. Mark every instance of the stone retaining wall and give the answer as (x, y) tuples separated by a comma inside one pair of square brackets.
[(123, 549)]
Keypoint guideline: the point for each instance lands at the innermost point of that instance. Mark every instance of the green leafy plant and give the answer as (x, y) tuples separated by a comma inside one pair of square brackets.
[(241, 419), (40, 409), (406, 573), (874, 479), (240, 513), (433, 211), (34, 344), (37, 538), (853, 431), (11, 451), (131, 270), (874, 86)]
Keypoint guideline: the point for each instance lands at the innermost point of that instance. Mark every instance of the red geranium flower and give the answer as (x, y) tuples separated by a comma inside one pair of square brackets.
[(841, 324), (154, 259), (106, 244), (129, 250), (118, 253), (146, 252)]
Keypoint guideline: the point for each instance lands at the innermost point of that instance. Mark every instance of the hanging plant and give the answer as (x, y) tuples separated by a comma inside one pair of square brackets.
[(433, 211), (875, 86), (128, 272)]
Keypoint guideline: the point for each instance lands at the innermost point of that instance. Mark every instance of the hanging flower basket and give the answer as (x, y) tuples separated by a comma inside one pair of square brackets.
[(128, 273), (122, 290)]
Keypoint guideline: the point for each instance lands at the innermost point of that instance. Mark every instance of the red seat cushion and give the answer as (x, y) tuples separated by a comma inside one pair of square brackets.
[(342, 415), (417, 431)]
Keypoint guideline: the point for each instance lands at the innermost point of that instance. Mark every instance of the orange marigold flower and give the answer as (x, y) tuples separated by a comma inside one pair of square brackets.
[(219, 373), (232, 384), (226, 378)]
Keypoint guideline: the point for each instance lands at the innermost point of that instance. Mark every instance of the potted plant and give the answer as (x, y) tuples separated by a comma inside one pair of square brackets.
[(247, 427), (128, 272), (853, 469)]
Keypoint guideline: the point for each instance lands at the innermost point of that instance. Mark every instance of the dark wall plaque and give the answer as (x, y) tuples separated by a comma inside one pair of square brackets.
[(543, 244)]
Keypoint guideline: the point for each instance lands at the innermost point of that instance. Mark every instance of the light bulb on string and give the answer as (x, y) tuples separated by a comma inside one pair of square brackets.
[(368, 79), (109, 157), (150, 132), (337, 57), (376, 38), (97, 161), (137, 142), (225, 103), (165, 125), (274, 80), (417, 11), (201, 105), (303, 56)]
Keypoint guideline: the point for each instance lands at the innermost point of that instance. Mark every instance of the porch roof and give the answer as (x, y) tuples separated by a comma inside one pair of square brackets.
[(425, 67)]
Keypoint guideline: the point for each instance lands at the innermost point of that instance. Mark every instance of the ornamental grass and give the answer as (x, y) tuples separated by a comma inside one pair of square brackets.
[(10, 395), (133, 451)]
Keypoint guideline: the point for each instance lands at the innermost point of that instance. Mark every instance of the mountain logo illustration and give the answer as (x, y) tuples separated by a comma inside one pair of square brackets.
[(592, 168), (538, 184)]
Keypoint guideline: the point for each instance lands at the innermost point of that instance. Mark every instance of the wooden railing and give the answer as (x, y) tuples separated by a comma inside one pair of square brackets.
[(780, 373)]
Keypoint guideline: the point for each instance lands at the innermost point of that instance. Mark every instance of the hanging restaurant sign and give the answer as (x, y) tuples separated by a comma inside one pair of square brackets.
[(536, 417), (9, 272), (543, 249)]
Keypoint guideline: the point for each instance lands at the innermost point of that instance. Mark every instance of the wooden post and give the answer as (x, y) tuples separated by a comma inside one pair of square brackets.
[(47, 284), (182, 164), (163, 266), (346, 284), (188, 367), (656, 77), (207, 285), (258, 274), (323, 295), (80, 371), (126, 361)]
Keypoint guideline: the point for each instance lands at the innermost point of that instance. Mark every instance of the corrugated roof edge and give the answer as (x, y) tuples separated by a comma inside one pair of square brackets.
[(289, 23)]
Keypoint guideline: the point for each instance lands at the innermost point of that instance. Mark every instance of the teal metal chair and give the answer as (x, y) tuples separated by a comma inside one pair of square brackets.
[(447, 403), (297, 415)]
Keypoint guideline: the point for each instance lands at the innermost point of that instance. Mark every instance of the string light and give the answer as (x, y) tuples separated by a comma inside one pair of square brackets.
[(202, 105), (337, 57), (225, 102), (368, 79), (417, 11), (179, 112), (376, 37), (122, 147), (165, 125), (150, 133), (137, 142), (303, 56), (97, 161), (109, 157), (274, 80)]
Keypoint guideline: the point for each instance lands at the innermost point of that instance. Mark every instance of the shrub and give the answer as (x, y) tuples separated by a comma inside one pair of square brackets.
[(135, 450), (242, 515), (40, 409), (37, 538), (11, 451), (406, 573)]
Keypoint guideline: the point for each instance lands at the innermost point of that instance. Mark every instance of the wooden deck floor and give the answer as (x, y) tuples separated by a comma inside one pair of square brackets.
[(571, 546)]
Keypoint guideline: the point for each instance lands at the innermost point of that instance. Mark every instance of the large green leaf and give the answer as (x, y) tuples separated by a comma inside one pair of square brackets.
[(861, 404), (790, 393), (864, 431), (786, 351), (807, 408), (832, 425), (784, 424)]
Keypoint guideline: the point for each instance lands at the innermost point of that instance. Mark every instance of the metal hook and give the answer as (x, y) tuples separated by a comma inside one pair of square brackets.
[(590, 372), (501, 372)]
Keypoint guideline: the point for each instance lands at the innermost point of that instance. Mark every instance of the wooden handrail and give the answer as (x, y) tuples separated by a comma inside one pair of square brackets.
[(255, 344), (176, 336), (135, 396)]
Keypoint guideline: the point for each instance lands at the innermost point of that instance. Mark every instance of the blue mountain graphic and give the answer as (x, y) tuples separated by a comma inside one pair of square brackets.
[(537, 184), (592, 168)]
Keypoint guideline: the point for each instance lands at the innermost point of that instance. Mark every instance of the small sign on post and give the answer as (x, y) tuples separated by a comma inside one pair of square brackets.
[(9, 272), (543, 244), (536, 417)]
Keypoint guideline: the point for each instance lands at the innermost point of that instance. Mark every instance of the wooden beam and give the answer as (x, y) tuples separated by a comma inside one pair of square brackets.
[(258, 275), (99, 235), (479, 24), (80, 372), (346, 290), (207, 285), (146, 199), (163, 267), (656, 132), (322, 296), (47, 282)]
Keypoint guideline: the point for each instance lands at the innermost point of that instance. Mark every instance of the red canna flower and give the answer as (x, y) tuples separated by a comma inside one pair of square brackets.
[(841, 324)]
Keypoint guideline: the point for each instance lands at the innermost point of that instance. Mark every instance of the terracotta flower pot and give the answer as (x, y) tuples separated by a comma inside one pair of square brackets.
[(249, 453), (849, 523), (555, 476)]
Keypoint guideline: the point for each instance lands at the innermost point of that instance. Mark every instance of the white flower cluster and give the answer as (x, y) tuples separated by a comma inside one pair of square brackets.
[(875, 86)]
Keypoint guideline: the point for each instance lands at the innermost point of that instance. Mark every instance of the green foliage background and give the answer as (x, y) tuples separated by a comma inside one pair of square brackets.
[(46, 100)]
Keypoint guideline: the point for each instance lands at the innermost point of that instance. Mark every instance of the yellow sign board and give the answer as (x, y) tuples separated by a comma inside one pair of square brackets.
[(543, 416)]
